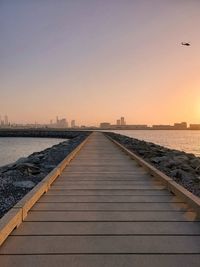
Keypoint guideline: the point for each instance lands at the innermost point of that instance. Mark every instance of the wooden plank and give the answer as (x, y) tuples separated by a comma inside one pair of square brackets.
[(108, 228), (116, 199), (107, 175), (101, 244), (79, 182), (110, 206), (108, 179), (100, 169), (154, 187), (108, 192), (113, 260), (122, 162), (156, 216)]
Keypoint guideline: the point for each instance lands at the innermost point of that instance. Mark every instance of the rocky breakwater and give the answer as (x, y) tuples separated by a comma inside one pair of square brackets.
[(184, 168), (18, 178)]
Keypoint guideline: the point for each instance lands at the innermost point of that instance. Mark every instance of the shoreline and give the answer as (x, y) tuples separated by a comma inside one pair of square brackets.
[(18, 178), (182, 167), (13, 148)]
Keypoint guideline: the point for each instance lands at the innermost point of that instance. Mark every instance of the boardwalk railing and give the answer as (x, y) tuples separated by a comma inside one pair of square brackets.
[(16, 215), (172, 186)]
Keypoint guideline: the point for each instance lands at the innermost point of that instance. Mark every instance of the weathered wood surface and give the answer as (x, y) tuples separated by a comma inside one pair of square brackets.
[(105, 210)]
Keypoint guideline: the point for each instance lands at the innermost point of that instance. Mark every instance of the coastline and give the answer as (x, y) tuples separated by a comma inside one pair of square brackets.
[(18, 178), (182, 167)]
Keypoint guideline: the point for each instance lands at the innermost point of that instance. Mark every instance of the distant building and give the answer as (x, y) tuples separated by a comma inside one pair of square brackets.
[(122, 120), (180, 126), (61, 123), (194, 127), (105, 125), (73, 124), (162, 127), (118, 122), (6, 121)]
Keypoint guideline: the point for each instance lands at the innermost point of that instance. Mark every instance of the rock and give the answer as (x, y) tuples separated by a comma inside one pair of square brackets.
[(197, 170), (141, 152), (187, 168), (24, 184), (180, 174), (197, 179), (195, 163), (181, 158), (168, 164), (191, 156), (158, 159), (35, 160), (21, 160), (28, 168), (48, 167)]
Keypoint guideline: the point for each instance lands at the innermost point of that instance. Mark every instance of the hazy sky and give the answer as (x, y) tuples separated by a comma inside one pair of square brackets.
[(97, 60)]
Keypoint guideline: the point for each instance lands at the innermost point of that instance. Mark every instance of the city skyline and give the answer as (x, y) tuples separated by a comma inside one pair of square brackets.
[(96, 60), (120, 123)]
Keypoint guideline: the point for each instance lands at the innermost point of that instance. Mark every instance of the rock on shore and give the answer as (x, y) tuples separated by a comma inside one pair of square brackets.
[(18, 178), (183, 167)]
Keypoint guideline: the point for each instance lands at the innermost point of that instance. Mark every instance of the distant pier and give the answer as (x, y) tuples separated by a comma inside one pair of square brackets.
[(54, 133)]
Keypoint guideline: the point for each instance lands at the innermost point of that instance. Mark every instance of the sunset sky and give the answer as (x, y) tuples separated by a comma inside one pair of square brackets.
[(97, 60)]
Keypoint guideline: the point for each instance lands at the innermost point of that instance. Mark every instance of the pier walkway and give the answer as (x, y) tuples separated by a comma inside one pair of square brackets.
[(105, 210)]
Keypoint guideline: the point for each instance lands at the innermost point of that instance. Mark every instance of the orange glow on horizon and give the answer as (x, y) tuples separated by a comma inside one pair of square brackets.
[(93, 63)]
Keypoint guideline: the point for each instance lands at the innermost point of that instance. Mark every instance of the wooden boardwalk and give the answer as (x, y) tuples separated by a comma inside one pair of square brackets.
[(105, 210)]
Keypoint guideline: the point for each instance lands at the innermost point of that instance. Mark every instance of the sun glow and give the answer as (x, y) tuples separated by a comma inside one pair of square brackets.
[(198, 112)]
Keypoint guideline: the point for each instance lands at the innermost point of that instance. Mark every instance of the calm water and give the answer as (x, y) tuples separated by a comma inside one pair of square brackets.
[(188, 141), (13, 148)]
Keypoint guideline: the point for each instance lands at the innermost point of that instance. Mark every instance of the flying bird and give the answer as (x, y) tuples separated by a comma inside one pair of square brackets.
[(186, 44)]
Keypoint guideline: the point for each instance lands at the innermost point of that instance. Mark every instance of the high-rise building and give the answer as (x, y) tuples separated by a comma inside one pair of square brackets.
[(73, 124), (118, 122), (123, 121), (61, 123), (6, 120)]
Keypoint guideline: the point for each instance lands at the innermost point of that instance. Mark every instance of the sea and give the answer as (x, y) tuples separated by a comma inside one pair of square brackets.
[(184, 140), (13, 148)]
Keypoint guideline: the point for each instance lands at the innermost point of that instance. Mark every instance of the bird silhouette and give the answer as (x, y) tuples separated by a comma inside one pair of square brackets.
[(186, 44)]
